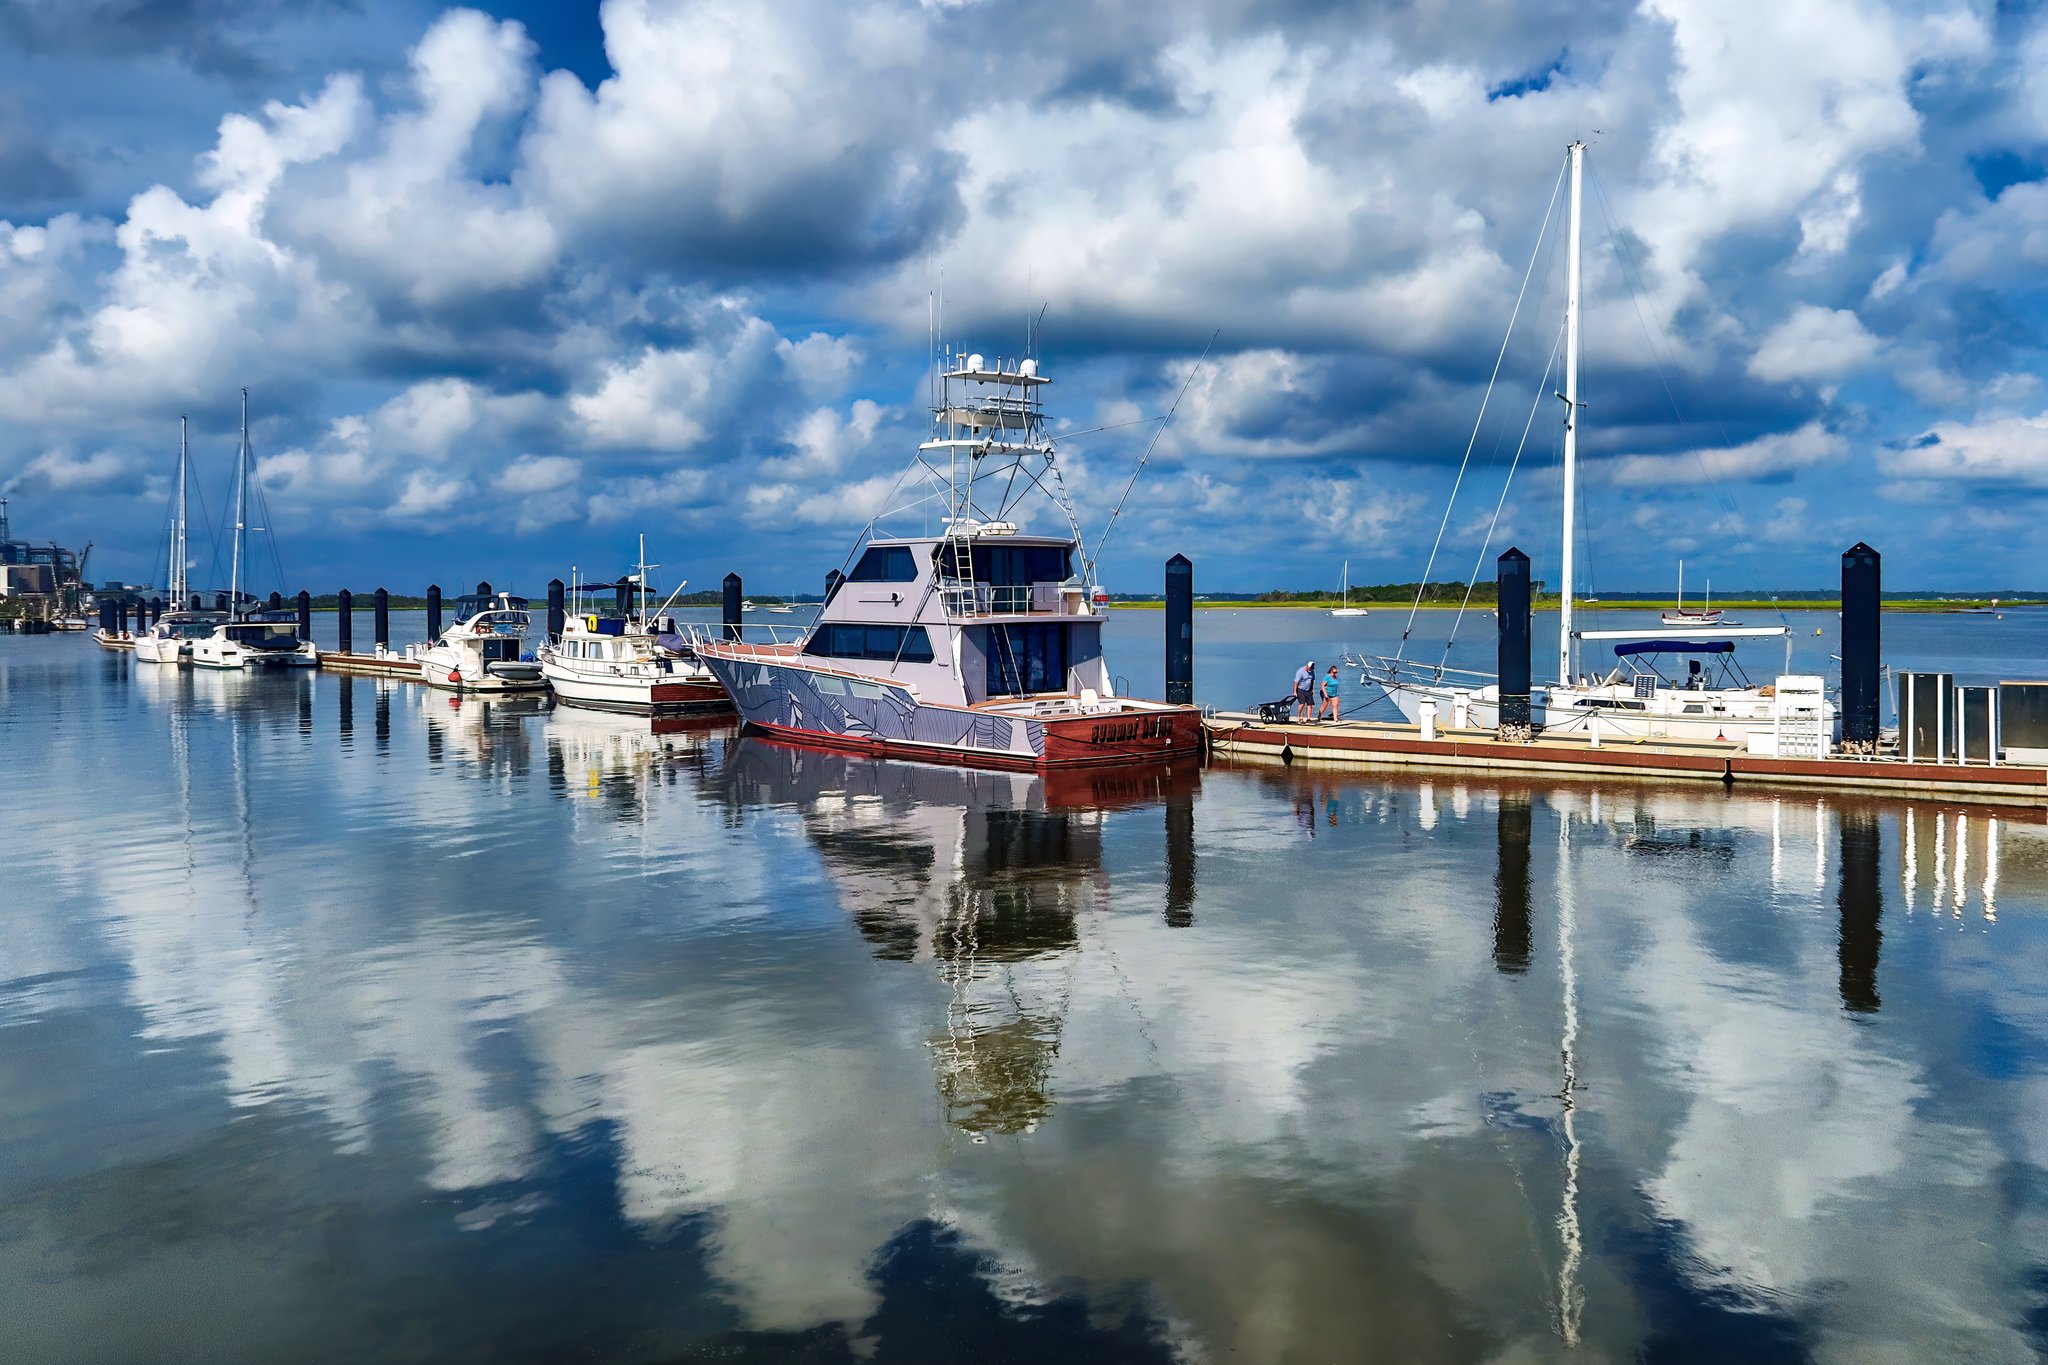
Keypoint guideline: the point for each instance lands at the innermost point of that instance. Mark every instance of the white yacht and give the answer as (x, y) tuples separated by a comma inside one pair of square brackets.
[(250, 639), (637, 661), (1629, 691), (481, 651), (979, 645), (169, 640)]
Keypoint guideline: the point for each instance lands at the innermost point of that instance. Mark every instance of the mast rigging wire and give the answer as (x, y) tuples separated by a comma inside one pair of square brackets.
[(1164, 422)]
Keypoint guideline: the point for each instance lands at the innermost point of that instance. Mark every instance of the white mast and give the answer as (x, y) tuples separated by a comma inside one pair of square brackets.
[(241, 515), (1577, 153), (640, 586), (176, 577)]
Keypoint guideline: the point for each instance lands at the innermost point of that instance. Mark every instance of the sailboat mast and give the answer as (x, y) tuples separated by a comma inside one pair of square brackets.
[(640, 611), (1571, 417), (241, 515), (176, 578)]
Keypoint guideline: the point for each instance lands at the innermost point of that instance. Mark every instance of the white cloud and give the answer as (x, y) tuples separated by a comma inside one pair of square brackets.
[(669, 399), (1764, 458), (539, 474), (1814, 344), (2010, 450)]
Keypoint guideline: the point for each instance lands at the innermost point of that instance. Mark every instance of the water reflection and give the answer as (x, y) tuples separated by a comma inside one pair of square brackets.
[(531, 1034)]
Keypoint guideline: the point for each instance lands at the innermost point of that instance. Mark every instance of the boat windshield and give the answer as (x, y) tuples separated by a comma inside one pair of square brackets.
[(495, 623)]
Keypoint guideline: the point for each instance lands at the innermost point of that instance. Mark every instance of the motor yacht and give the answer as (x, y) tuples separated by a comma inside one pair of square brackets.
[(170, 639), (482, 651), (979, 645)]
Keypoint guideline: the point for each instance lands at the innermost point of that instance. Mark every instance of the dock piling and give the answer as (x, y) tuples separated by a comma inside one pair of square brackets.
[(731, 613), (1511, 648), (121, 617), (107, 617), (1862, 581), (433, 611), (220, 601), (276, 602), (1180, 631), (196, 599), (345, 620), (558, 616), (305, 614), (381, 614)]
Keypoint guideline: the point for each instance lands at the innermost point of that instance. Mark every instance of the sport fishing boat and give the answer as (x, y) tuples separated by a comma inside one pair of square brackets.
[(250, 639), (979, 645), (637, 661), (1633, 696), (481, 651), (169, 640)]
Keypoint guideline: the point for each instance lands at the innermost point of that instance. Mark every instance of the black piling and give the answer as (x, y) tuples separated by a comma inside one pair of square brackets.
[(381, 609), (732, 606), (433, 611), (1860, 897), (1512, 936), (107, 617), (1511, 648), (276, 601), (305, 614), (558, 614), (483, 589), (833, 579), (196, 599), (345, 620), (1861, 589), (220, 601), (121, 617), (1180, 630)]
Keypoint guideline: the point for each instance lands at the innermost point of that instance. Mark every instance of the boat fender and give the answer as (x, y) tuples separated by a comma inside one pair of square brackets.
[(481, 628), (454, 675)]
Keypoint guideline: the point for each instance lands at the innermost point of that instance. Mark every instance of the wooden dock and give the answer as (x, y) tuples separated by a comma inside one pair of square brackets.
[(1241, 735), (387, 665)]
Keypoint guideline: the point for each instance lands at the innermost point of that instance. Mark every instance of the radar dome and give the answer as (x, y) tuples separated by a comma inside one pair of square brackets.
[(1028, 368), (974, 361)]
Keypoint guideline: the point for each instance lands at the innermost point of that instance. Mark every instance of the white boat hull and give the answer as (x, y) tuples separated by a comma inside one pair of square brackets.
[(210, 654), (642, 691), (151, 649), (1726, 715)]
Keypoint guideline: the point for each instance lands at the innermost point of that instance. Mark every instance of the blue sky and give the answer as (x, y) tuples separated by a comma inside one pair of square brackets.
[(512, 284)]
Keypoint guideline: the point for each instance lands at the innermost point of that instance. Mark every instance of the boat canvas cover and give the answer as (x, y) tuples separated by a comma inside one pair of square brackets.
[(1630, 647)]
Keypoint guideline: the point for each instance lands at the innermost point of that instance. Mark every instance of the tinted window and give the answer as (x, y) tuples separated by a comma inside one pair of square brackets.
[(911, 644), (886, 564), (1016, 565), (1029, 658)]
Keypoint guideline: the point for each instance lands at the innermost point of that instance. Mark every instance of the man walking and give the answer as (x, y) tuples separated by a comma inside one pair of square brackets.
[(1304, 690)]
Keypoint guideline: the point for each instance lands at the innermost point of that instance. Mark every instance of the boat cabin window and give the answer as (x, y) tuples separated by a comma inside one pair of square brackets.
[(911, 644), (886, 564), (1017, 565), (1029, 658)]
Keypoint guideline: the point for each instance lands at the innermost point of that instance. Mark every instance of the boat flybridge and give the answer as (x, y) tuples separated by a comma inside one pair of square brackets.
[(976, 642), (250, 639), (1675, 681), (635, 659), (480, 652)]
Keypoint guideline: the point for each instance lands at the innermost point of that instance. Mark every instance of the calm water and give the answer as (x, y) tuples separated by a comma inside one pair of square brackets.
[(339, 1021)]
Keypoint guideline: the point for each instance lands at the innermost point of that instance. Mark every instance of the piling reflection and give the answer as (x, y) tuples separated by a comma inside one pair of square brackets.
[(1511, 932), (481, 736), (1860, 899)]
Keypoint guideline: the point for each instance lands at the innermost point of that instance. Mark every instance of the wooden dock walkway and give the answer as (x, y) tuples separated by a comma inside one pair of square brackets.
[(389, 665), (1241, 735)]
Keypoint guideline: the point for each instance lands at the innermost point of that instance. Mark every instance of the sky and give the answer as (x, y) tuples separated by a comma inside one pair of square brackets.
[(511, 285)]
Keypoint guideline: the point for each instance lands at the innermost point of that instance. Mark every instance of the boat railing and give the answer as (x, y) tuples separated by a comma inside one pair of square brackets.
[(749, 643), (1013, 599), (1390, 672)]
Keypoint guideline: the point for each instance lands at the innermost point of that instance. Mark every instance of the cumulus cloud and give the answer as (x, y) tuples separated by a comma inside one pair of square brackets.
[(2011, 450), (1765, 459), (1814, 344)]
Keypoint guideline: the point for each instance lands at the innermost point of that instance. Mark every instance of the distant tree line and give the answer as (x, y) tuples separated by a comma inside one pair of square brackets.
[(1450, 593)]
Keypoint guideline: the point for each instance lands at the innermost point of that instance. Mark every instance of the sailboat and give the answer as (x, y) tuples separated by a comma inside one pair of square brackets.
[(1704, 697), (1347, 609), (169, 641), (249, 638), (1681, 615)]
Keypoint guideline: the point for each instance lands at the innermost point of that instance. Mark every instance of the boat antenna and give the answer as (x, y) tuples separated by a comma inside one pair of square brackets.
[(1164, 423)]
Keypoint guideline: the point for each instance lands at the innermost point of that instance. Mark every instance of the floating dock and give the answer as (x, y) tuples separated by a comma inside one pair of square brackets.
[(379, 665), (1241, 735)]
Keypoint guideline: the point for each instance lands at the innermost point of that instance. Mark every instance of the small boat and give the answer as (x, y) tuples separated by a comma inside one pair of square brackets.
[(980, 645), (748, 606), (1347, 609), (72, 622), (113, 639), (779, 608), (250, 639), (481, 651), (638, 661), (1682, 615)]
